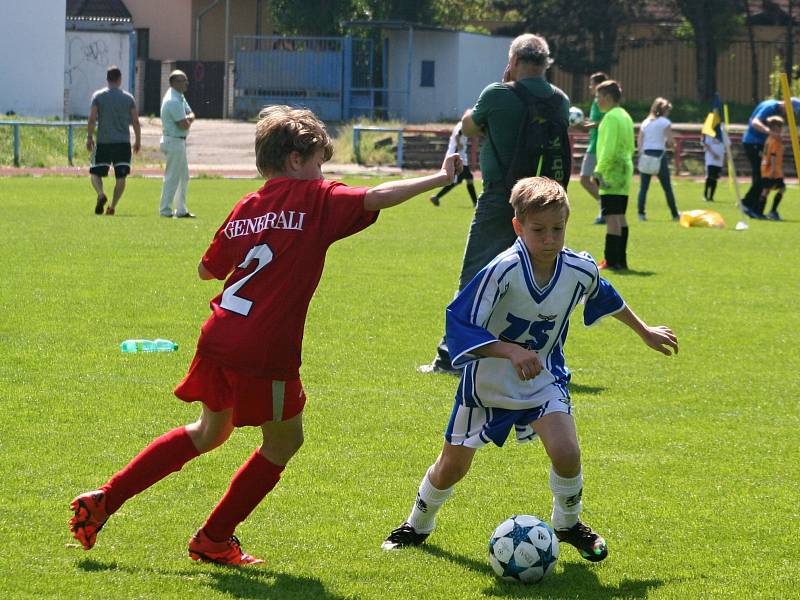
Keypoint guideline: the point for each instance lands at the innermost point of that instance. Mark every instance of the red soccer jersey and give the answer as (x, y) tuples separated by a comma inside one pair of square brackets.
[(275, 242)]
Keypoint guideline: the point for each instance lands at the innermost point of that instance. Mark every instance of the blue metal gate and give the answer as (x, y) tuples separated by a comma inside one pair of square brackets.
[(305, 72)]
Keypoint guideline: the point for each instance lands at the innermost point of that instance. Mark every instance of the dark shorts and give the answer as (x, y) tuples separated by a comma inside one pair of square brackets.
[(105, 155), (254, 400), (613, 204), (772, 184), (713, 171)]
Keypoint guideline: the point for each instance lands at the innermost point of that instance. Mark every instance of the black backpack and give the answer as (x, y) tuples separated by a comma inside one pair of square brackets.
[(542, 146)]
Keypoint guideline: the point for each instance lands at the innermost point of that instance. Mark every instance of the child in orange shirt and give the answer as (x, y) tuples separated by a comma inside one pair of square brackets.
[(772, 168)]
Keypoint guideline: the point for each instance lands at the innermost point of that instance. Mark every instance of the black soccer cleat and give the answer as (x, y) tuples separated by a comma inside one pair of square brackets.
[(101, 202), (402, 537), (591, 546)]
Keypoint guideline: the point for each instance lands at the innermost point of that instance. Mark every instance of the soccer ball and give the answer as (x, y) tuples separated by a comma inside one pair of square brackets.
[(523, 548), (575, 116)]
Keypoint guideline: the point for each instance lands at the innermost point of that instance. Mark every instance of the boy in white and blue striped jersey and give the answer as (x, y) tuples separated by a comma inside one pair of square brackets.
[(507, 330)]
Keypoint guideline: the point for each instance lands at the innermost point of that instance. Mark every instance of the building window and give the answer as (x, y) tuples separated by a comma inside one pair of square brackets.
[(143, 44), (428, 73)]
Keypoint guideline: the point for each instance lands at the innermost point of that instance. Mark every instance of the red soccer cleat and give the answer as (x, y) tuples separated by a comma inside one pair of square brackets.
[(90, 516), (229, 552)]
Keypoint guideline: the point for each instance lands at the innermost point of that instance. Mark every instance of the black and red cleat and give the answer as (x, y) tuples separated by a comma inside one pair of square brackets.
[(89, 518)]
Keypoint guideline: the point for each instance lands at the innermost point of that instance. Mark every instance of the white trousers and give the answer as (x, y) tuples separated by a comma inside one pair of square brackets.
[(176, 176)]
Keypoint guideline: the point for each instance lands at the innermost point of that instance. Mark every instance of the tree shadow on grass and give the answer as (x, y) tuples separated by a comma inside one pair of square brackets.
[(236, 582), (573, 580)]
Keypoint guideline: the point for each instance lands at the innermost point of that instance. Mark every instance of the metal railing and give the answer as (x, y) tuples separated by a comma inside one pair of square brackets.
[(70, 125)]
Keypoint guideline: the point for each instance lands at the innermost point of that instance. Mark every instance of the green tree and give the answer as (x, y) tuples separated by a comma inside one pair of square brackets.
[(312, 17), (711, 25), (582, 33)]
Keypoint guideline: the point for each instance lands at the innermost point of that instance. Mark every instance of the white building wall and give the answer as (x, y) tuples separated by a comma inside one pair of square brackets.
[(32, 57), (465, 63), (482, 60), (87, 58)]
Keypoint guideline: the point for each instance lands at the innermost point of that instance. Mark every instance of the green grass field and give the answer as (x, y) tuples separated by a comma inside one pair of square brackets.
[(690, 462)]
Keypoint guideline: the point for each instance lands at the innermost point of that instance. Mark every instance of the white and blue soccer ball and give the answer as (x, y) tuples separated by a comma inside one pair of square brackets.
[(575, 116), (523, 548)]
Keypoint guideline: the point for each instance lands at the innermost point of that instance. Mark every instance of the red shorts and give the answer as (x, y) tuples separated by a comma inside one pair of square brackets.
[(254, 400)]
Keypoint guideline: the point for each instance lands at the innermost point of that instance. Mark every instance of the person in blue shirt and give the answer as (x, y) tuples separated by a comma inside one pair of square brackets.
[(753, 141), (506, 330)]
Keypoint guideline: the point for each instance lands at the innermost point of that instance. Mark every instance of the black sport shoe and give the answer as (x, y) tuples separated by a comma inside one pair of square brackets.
[(403, 536), (591, 546), (434, 200), (101, 202)]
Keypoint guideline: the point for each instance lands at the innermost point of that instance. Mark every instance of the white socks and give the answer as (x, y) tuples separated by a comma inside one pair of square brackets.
[(429, 501), (566, 499)]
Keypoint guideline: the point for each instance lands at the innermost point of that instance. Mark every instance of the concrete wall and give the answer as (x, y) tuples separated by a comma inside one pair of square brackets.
[(32, 58), (170, 23), (482, 60), (465, 63), (87, 57)]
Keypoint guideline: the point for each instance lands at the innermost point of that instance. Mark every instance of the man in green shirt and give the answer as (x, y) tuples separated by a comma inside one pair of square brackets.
[(614, 172), (590, 157), (499, 113)]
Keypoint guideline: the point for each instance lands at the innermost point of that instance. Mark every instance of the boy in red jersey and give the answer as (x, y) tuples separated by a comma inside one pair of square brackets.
[(270, 250)]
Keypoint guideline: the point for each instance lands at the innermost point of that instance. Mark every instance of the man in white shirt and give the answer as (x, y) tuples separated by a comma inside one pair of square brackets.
[(176, 119)]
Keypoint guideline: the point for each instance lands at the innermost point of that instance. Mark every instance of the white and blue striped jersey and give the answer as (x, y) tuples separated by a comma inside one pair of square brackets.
[(503, 302)]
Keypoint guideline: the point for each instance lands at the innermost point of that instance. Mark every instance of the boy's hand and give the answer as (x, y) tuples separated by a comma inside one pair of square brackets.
[(661, 339), (526, 363), (452, 166)]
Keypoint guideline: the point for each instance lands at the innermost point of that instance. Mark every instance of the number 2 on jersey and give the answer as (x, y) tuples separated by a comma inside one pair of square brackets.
[(230, 301)]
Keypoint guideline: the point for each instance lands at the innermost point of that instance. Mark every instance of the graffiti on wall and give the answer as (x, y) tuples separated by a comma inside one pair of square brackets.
[(88, 56)]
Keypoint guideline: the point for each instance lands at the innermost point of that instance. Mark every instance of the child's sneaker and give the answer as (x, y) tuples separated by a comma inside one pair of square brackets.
[(591, 546), (434, 200), (229, 552), (90, 516), (109, 211), (774, 216), (403, 536)]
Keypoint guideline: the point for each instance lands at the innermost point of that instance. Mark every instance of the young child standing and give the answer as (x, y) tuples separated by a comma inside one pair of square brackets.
[(590, 157), (714, 151), (772, 169), (507, 331), (614, 172), (458, 145), (270, 250)]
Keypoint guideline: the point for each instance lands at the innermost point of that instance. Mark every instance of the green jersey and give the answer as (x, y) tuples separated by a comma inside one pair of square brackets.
[(615, 144), (595, 116), (500, 111)]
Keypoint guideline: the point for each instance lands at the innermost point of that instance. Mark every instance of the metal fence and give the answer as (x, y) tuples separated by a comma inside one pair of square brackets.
[(299, 71), (17, 135)]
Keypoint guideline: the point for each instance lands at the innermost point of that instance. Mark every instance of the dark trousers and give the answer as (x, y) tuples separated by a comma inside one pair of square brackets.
[(490, 233), (663, 178), (753, 153)]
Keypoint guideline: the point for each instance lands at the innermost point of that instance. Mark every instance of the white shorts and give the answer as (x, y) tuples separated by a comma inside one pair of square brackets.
[(476, 426), (588, 164)]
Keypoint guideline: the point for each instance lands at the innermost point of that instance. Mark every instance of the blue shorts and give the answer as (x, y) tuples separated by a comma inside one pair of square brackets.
[(476, 426)]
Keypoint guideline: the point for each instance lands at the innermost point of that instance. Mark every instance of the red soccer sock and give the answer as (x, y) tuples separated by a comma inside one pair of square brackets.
[(252, 482), (164, 455)]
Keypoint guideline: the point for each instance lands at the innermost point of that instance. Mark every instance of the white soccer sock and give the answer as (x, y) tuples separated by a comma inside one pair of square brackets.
[(429, 501), (567, 503)]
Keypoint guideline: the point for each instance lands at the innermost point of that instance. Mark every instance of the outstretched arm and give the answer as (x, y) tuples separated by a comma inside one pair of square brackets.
[(392, 193), (659, 338)]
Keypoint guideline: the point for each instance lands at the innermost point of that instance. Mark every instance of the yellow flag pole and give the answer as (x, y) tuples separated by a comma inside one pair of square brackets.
[(742, 224), (791, 122)]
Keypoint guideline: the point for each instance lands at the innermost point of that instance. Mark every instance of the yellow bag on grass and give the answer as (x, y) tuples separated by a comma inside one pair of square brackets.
[(702, 218)]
